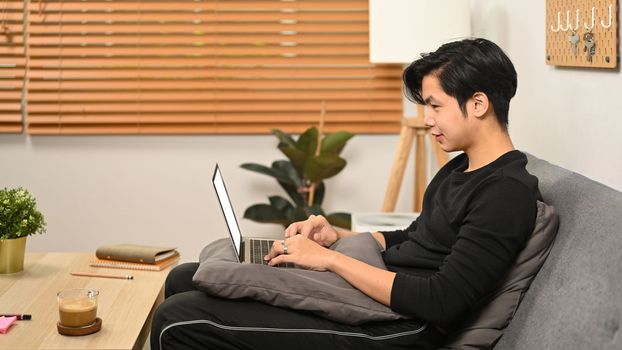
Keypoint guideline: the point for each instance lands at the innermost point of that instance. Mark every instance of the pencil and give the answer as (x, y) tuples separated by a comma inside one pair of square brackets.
[(121, 277), (20, 317)]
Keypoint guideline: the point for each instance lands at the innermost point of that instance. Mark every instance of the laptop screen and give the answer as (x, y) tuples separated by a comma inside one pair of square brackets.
[(227, 210)]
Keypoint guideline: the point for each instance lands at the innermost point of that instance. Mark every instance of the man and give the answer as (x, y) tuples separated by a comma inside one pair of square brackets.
[(478, 213)]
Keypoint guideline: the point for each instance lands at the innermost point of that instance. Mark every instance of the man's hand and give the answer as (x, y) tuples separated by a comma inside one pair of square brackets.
[(316, 228), (300, 251)]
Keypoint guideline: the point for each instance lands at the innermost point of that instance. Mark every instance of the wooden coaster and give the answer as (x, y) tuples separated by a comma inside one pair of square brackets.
[(90, 329)]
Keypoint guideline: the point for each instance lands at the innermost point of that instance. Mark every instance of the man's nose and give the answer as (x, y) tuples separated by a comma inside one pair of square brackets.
[(428, 120)]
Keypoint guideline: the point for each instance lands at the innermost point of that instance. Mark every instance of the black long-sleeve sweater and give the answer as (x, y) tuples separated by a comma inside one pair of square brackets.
[(470, 231)]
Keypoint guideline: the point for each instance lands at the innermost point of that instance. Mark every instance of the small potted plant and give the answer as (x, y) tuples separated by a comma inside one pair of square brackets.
[(19, 218)]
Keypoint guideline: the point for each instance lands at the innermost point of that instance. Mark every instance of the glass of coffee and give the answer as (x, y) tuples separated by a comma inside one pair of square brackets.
[(77, 307)]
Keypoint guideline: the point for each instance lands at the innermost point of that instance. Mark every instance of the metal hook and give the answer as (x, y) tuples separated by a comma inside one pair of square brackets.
[(576, 26), (559, 22), (601, 21), (593, 20), (567, 22)]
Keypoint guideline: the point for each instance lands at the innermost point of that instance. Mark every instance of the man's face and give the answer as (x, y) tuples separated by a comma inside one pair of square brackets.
[(447, 123)]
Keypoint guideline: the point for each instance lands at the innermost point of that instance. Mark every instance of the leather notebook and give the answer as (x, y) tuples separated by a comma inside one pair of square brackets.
[(135, 253)]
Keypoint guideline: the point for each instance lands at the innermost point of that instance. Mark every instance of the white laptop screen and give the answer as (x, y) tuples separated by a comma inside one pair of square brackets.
[(227, 210)]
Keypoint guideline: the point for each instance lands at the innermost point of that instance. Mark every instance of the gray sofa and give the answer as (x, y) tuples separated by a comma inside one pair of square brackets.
[(575, 302)]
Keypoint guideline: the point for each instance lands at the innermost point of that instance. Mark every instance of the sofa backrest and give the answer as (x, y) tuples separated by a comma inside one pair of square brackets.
[(575, 302)]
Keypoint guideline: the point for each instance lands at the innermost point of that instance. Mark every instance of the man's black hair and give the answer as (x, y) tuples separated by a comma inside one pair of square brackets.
[(464, 68)]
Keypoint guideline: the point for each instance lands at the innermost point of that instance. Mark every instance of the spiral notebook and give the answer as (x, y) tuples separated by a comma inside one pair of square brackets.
[(116, 264)]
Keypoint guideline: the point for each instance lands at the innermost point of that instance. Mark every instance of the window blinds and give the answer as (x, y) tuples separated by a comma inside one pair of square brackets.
[(117, 67), (12, 65)]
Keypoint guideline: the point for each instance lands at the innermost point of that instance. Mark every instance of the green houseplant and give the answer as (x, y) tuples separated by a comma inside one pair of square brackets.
[(19, 218), (310, 159)]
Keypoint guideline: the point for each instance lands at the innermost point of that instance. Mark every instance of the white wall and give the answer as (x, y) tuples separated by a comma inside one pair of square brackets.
[(156, 189), (569, 116)]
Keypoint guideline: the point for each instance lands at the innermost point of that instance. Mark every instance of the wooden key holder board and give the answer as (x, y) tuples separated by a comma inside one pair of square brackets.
[(589, 25)]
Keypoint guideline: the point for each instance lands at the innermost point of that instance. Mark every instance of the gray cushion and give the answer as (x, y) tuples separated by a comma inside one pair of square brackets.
[(323, 293), (485, 325)]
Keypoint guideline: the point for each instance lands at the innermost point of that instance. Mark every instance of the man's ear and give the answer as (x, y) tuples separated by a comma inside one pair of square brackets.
[(480, 104)]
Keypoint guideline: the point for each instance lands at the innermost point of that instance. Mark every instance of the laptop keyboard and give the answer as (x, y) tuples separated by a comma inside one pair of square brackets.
[(259, 249)]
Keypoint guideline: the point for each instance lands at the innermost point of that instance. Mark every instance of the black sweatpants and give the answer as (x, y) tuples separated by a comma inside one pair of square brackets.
[(191, 319)]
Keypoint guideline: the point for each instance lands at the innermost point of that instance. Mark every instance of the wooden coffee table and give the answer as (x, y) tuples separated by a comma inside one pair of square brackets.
[(125, 306)]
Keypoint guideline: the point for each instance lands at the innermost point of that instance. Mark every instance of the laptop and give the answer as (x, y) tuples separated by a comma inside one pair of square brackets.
[(248, 250)]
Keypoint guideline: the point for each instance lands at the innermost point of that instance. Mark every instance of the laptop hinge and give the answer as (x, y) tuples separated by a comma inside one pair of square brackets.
[(242, 249)]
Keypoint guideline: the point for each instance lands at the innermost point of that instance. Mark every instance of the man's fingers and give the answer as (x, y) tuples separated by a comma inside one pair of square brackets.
[(275, 251), (294, 228), (270, 255), (281, 259), (291, 230), (309, 226), (307, 229)]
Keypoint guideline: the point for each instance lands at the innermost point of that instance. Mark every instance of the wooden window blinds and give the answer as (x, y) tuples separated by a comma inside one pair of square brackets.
[(12, 65), (243, 66)]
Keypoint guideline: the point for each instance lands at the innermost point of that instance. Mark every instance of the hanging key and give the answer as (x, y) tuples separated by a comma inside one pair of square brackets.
[(590, 45), (574, 38)]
